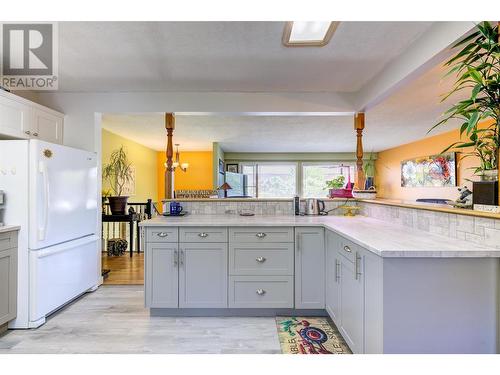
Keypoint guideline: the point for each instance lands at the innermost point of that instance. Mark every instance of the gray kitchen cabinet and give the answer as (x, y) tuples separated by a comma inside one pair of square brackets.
[(203, 275), (332, 276), (351, 305), (162, 275), (8, 277), (309, 268)]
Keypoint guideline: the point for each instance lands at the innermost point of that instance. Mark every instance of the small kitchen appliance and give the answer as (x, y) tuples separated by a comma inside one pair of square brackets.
[(315, 207)]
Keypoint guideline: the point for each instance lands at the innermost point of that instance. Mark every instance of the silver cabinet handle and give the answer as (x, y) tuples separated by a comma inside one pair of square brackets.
[(27, 132), (347, 248), (181, 258), (35, 134), (260, 292), (176, 257), (261, 235), (203, 234), (162, 234), (337, 271), (357, 266), (260, 259)]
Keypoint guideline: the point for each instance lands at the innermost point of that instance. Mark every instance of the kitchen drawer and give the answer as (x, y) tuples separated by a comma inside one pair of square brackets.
[(261, 234), (348, 249), (203, 234), (162, 234), (261, 292), (8, 240), (261, 259)]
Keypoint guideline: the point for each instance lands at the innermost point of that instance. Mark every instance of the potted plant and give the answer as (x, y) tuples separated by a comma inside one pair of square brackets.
[(369, 169), (477, 68), (335, 186), (118, 173)]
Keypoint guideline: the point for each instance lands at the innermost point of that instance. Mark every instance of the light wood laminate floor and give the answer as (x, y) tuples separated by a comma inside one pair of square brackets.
[(124, 270), (113, 320)]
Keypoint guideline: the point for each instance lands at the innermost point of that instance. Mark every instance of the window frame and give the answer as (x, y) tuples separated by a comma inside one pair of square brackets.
[(336, 163), (255, 164)]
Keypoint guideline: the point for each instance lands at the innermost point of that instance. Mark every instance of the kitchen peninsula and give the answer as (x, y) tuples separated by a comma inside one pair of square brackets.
[(387, 287)]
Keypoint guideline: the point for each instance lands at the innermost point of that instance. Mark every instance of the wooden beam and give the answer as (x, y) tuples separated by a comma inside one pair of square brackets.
[(169, 170), (359, 125)]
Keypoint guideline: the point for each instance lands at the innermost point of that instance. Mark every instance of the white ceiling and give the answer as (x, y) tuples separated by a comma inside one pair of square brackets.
[(404, 117), (223, 56)]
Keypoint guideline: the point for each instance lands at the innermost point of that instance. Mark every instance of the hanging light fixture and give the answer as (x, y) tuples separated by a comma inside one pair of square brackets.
[(176, 163)]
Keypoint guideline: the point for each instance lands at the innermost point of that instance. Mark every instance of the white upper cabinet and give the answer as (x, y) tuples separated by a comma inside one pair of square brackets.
[(22, 119), (16, 118), (47, 126)]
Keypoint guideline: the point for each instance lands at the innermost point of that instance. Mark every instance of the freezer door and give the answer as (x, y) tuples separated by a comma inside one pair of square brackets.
[(60, 273), (63, 194)]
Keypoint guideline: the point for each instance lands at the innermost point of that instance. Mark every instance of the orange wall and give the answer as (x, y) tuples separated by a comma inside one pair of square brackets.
[(198, 175), (388, 169)]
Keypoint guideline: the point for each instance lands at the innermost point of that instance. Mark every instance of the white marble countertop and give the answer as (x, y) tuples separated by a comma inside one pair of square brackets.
[(9, 228), (380, 237)]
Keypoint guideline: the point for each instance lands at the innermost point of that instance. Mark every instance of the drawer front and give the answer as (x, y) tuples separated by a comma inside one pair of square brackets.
[(162, 234), (348, 250), (265, 259), (8, 240), (261, 292), (203, 234), (261, 234)]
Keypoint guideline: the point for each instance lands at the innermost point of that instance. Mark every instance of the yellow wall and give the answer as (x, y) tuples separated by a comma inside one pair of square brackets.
[(141, 157), (198, 176), (388, 169)]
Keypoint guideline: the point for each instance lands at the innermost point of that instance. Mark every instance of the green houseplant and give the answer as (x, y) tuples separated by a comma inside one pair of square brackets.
[(477, 68), (118, 173), (335, 185), (369, 169)]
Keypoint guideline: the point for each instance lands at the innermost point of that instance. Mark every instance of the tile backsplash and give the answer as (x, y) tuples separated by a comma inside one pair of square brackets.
[(484, 231), (480, 230)]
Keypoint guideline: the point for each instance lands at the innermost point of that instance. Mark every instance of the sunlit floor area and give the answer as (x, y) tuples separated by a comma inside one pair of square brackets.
[(113, 320), (123, 270)]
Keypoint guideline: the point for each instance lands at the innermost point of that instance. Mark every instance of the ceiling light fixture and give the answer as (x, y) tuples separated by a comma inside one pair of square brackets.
[(308, 33), (176, 163)]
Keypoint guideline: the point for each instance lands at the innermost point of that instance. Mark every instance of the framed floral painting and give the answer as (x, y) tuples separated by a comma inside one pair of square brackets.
[(430, 171)]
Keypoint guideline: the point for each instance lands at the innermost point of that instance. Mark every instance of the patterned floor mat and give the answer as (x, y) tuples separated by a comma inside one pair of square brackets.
[(310, 335)]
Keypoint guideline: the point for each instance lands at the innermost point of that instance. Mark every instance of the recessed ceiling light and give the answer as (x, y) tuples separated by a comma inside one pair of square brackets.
[(308, 33)]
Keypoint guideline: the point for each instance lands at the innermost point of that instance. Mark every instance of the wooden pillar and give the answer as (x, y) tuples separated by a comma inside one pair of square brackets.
[(169, 170), (359, 125)]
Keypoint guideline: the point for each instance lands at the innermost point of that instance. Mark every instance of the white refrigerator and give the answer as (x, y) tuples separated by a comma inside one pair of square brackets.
[(51, 192)]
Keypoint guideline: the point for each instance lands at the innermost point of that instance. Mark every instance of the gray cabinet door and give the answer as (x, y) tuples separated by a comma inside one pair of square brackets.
[(332, 275), (8, 285), (351, 302), (203, 274), (162, 275), (309, 268)]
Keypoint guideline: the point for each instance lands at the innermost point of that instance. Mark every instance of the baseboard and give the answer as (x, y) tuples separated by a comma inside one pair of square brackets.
[(4, 327), (236, 312)]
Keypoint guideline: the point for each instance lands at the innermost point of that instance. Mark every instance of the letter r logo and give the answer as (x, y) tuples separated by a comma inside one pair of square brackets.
[(27, 49)]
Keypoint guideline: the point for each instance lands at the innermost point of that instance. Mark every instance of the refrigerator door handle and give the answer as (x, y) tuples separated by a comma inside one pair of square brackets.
[(46, 190)]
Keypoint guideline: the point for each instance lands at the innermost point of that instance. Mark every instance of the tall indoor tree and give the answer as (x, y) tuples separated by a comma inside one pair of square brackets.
[(477, 68)]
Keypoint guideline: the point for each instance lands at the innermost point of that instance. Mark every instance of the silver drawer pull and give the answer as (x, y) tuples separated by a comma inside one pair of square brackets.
[(347, 248), (260, 292), (261, 235), (162, 234), (260, 259), (203, 234), (35, 134), (27, 132)]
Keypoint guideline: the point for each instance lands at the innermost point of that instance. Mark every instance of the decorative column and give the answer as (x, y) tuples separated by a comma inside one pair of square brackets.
[(169, 170), (359, 125)]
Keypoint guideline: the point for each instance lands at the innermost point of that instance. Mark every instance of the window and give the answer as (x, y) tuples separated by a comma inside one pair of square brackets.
[(314, 177), (271, 180)]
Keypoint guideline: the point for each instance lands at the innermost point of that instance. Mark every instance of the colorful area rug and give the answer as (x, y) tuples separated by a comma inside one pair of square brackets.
[(310, 335)]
